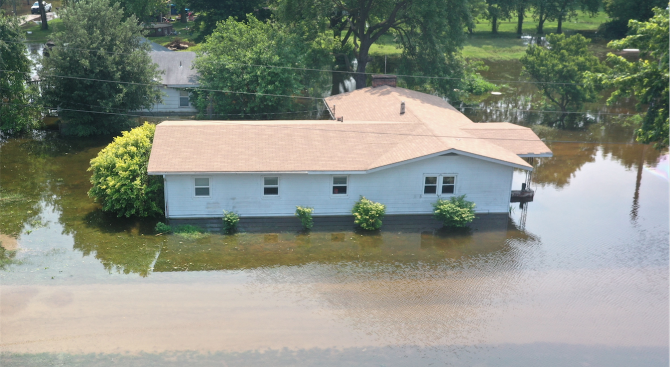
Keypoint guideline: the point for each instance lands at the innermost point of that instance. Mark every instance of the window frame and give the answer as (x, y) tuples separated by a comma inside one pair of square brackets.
[(263, 186), (209, 187), (332, 186), (188, 99), (440, 184)]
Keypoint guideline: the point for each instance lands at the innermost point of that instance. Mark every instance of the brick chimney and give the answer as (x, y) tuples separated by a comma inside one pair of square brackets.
[(379, 80)]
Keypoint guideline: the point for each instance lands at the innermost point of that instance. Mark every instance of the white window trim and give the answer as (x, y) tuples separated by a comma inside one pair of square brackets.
[(332, 184), (438, 189), (263, 196), (209, 186), (189, 99)]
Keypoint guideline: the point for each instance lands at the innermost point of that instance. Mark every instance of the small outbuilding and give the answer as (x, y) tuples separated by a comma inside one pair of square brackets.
[(399, 147)]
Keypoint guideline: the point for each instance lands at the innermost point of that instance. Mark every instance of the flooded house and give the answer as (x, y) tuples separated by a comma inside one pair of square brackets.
[(402, 148), (177, 74)]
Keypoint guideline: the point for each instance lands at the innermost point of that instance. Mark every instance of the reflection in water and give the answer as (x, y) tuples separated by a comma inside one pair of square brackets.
[(577, 274)]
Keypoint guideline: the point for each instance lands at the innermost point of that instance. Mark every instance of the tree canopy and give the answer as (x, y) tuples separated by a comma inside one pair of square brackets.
[(98, 69), (430, 32), (254, 57), (120, 180), (16, 114), (647, 78), (621, 11), (212, 11), (562, 69), (142, 9)]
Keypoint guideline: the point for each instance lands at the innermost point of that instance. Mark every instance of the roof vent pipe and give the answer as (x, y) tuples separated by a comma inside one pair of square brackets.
[(402, 107)]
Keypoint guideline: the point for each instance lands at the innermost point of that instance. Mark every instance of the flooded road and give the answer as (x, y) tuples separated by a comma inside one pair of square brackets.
[(577, 277)]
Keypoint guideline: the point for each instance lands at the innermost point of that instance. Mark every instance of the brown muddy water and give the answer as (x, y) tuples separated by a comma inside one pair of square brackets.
[(579, 277)]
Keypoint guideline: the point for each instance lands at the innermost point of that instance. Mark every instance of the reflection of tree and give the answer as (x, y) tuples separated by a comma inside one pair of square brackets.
[(120, 244), (567, 160)]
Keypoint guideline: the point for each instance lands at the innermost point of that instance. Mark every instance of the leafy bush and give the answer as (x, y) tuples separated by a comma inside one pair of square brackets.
[(163, 228), (368, 214), (305, 215), (230, 220), (455, 212), (120, 180)]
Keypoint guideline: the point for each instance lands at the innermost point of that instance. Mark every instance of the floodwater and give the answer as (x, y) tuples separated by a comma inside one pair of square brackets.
[(579, 277)]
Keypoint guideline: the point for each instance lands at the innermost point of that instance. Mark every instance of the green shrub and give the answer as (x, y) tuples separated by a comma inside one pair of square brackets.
[(368, 214), (305, 215), (163, 228), (230, 220), (455, 212), (120, 180)]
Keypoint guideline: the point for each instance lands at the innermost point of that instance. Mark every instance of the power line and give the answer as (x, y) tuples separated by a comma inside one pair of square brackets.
[(271, 125), (340, 71)]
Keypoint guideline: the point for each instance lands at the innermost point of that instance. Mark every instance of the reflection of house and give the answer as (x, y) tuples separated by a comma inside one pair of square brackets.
[(402, 148), (177, 74)]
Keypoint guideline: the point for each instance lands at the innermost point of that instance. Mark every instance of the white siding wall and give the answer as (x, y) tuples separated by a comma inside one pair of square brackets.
[(400, 188), (171, 102)]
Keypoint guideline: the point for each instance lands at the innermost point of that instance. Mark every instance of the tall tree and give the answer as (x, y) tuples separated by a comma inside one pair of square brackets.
[(561, 71), (647, 78), (621, 11), (567, 9), (16, 115), (43, 15), (98, 69), (259, 59), (520, 8), (212, 11), (499, 10), (414, 23)]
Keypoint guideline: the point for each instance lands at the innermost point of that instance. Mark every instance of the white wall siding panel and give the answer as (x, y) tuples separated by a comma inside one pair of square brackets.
[(400, 188), (170, 102)]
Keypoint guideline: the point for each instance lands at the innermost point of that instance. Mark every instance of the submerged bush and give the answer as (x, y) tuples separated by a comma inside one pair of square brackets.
[(120, 180), (163, 228), (230, 220), (455, 212), (190, 232), (368, 214), (305, 215)]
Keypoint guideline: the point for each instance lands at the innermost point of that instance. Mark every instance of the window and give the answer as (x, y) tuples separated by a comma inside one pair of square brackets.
[(430, 185), (270, 186), (439, 184), (183, 98), (202, 186), (340, 185), (448, 184)]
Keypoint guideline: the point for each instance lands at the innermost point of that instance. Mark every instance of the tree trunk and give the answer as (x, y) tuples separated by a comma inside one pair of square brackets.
[(182, 13), (363, 60), (559, 30), (540, 25), (494, 25), (43, 14), (519, 23)]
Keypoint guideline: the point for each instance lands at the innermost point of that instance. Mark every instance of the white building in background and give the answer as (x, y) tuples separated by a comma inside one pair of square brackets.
[(177, 73), (402, 148)]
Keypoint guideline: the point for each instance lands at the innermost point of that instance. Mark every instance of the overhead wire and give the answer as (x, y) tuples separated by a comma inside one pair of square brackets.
[(312, 128), (339, 71)]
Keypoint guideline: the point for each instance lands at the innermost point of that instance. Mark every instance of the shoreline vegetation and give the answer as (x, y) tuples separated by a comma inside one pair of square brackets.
[(480, 45)]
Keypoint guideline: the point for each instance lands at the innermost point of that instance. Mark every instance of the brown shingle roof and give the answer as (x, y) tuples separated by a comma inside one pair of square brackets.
[(517, 139), (302, 146)]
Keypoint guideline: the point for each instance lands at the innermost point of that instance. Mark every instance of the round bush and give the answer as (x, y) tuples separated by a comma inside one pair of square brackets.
[(305, 215), (368, 214), (120, 180), (455, 212)]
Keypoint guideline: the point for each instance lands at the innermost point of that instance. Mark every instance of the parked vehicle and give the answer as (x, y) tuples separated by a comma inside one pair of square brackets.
[(35, 9)]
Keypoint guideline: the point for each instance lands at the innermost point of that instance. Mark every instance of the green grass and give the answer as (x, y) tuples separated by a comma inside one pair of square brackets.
[(183, 35), (506, 45), (38, 35), (189, 232)]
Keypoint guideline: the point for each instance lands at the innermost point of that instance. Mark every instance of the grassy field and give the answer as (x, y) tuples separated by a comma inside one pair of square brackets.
[(506, 45), (37, 34)]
